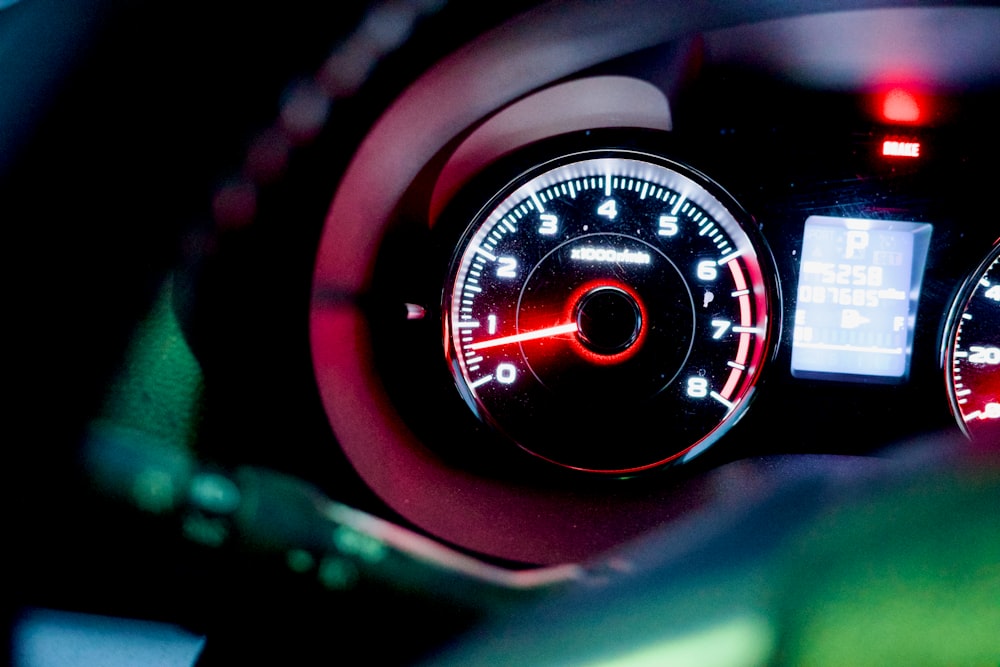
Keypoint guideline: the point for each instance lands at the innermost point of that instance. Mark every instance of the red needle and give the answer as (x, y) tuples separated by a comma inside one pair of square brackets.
[(527, 335)]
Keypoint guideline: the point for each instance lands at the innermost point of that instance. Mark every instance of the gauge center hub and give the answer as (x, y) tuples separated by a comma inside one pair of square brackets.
[(609, 320)]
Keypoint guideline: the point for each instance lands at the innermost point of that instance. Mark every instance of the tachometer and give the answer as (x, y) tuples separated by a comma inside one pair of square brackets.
[(972, 352), (610, 311)]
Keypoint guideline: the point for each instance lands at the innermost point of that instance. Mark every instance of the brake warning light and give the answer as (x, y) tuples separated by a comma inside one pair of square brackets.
[(896, 148)]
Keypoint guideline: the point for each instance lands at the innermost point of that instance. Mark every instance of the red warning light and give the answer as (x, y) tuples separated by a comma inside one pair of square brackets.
[(901, 106)]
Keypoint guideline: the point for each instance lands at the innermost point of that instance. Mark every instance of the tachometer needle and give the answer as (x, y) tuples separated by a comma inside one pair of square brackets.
[(527, 335)]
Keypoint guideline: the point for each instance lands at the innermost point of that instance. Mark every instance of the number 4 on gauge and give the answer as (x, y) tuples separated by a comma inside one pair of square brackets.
[(609, 209)]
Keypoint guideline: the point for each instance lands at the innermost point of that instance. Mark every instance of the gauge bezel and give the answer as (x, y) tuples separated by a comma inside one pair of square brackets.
[(949, 340), (552, 155)]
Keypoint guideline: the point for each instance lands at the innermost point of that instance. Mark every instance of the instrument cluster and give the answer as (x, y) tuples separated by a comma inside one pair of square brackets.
[(618, 300), (590, 296)]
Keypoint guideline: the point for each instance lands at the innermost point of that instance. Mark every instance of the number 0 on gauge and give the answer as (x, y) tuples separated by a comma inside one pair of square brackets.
[(610, 311)]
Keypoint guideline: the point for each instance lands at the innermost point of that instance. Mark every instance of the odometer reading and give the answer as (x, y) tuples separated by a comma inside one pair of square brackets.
[(609, 312), (859, 283)]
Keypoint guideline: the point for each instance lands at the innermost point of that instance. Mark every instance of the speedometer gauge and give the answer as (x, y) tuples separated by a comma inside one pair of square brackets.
[(609, 311), (972, 347)]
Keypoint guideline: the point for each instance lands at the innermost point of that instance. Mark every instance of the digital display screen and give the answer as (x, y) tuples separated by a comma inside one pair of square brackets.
[(856, 301)]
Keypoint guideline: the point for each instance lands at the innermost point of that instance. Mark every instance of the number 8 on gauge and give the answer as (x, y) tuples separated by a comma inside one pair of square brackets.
[(610, 311)]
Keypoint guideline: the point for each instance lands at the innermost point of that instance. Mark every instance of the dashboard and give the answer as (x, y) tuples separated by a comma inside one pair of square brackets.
[(800, 149), (532, 298)]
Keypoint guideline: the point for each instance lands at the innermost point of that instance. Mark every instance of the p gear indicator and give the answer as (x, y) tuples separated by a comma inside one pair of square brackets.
[(609, 311)]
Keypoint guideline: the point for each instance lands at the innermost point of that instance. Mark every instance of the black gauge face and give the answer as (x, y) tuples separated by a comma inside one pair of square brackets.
[(609, 311), (972, 368)]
